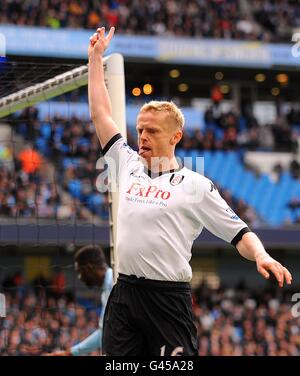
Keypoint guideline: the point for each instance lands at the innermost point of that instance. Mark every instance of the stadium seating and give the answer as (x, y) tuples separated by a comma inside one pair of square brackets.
[(260, 20), (269, 199), (235, 321), (74, 146)]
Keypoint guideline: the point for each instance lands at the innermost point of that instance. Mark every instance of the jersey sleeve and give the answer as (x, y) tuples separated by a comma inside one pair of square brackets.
[(107, 287), (91, 343), (218, 218), (118, 155)]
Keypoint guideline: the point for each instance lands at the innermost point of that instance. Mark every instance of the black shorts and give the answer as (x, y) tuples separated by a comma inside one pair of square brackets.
[(149, 318)]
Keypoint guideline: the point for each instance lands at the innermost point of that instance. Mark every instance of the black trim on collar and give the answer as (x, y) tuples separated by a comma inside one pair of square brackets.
[(239, 235), (110, 143)]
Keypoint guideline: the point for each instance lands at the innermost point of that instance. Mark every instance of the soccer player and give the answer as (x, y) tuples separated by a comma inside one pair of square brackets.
[(163, 208), (91, 267)]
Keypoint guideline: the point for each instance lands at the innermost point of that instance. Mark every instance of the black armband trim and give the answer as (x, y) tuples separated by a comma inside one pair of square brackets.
[(110, 143), (239, 235)]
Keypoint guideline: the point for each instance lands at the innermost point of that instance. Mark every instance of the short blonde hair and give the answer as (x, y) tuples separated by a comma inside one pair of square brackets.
[(173, 112)]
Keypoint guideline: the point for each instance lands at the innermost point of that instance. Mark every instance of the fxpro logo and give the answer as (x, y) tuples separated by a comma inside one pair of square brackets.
[(152, 191)]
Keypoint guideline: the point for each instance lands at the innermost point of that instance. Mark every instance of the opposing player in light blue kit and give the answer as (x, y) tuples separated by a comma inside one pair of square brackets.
[(92, 270)]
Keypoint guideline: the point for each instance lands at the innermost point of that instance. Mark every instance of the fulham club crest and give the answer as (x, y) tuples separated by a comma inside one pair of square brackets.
[(176, 179)]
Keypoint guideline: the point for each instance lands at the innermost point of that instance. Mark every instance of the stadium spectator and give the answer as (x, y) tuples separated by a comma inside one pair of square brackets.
[(30, 159), (295, 169), (15, 281), (40, 285), (278, 170), (294, 206), (284, 137), (58, 284)]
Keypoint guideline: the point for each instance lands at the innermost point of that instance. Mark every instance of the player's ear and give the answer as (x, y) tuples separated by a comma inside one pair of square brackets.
[(176, 137)]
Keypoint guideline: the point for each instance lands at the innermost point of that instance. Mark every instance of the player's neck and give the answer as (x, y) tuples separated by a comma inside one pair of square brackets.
[(157, 165)]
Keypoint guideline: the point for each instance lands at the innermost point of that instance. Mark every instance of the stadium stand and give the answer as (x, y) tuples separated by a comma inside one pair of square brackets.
[(243, 321), (230, 321), (72, 146), (230, 19), (35, 326)]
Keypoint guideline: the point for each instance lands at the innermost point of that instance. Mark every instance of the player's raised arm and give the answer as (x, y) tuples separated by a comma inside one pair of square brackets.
[(99, 101)]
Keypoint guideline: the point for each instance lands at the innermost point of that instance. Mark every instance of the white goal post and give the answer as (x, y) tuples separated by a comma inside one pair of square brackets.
[(66, 82)]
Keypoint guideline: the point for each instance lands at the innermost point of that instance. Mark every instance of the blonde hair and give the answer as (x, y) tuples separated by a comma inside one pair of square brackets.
[(173, 112)]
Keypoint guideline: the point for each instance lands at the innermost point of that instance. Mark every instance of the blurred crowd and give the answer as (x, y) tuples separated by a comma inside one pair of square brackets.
[(237, 321), (27, 191), (279, 19), (230, 130), (24, 192), (265, 20), (36, 327), (242, 321), (72, 145)]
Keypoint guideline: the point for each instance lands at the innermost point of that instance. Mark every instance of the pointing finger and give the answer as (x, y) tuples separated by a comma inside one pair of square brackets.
[(110, 34), (101, 32)]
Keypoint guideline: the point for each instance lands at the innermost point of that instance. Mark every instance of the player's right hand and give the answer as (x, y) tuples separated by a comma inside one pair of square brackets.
[(99, 42), (59, 353), (266, 264)]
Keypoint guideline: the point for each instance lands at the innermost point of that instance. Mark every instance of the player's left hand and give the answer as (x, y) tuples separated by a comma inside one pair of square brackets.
[(99, 42), (265, 264)]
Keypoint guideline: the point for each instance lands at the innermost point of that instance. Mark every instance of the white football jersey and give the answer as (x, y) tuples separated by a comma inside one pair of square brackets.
[(160, 216)]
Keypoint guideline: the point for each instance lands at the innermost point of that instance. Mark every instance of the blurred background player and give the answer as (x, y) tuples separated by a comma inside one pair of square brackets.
[(92, 270)]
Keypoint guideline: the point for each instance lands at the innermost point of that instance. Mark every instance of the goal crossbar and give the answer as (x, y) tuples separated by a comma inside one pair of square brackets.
[(60, 84)]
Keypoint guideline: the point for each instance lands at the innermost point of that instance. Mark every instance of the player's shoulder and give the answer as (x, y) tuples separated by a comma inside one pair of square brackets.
[(118, 144), (198, 178), (125, 147)]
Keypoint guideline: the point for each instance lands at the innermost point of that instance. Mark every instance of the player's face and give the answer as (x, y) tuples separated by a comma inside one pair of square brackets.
[(91, 275), (156, 136)]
